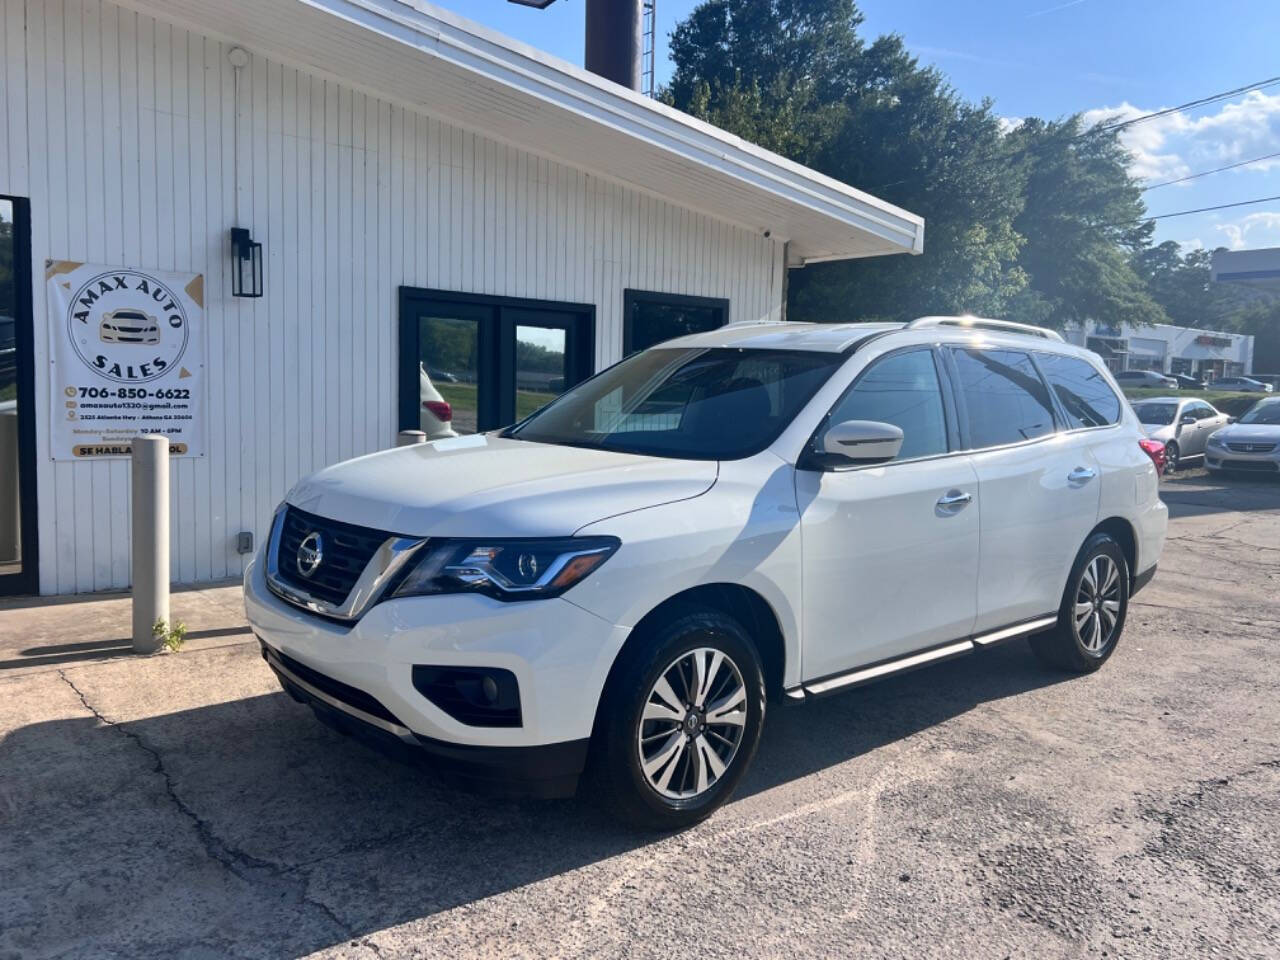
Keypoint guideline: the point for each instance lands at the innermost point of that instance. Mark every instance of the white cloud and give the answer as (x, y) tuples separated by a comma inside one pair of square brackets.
[(1009, 124), (1259, 229), (1177, 145)]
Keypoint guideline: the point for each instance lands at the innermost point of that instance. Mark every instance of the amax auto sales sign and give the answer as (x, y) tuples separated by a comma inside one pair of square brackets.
[(128, 358)]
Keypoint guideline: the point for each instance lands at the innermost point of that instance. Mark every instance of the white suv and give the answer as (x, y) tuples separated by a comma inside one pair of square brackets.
[(620, 582)]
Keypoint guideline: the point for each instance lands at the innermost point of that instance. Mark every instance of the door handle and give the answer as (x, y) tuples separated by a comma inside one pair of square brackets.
[(954, 498), (1081, 474)]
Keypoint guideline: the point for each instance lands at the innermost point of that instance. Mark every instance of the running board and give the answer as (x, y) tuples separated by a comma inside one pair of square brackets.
[(842, 681)]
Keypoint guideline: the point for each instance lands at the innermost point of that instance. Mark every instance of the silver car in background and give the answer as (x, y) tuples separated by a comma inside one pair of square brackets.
[(1252, 443), (1182, 425)]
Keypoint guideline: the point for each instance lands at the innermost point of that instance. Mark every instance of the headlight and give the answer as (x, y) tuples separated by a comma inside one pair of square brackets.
[(505, 569), (1217, 441)]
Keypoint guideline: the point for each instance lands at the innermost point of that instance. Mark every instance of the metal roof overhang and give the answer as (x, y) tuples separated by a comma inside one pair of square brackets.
[(429, 59)]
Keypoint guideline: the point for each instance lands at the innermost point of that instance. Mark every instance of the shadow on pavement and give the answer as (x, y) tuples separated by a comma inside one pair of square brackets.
[(1206, 493), (248, 828)]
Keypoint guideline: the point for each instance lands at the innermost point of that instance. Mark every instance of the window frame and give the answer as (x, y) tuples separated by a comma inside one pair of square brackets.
[(811, 458), (1062, 413), (632, 296)]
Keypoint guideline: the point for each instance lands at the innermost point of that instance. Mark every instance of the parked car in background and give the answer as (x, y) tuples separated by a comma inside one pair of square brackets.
[(435, 414), (766, 511), (1240, 385), (1186, 382), (1252, 443), (1183, 426), (1145, 378)]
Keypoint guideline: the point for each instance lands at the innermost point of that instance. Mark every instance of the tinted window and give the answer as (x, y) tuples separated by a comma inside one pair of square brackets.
[(1266, 411), (902, 389), (651, 318), (695, 404), (1155, 414), (1005, 399), (1087, 397)]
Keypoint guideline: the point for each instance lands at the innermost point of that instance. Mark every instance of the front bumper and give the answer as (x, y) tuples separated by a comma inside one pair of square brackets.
[(360, 676), (1216, 458)]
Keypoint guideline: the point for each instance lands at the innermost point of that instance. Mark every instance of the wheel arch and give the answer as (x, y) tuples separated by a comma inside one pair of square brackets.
[(744, 604), (1123, 532)]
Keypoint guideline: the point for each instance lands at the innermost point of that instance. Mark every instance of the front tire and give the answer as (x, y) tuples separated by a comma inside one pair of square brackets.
[(1094, 605), (679, 721), (1172, 456)]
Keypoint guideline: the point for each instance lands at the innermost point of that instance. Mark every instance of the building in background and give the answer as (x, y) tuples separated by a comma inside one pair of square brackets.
[(1256, 270), (1168, 349), (436, 217)]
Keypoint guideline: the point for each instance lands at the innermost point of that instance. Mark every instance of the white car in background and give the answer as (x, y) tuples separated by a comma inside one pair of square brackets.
[(1183, 426), (1251, 444), (1146, 378), (621, 582), (435, 413)]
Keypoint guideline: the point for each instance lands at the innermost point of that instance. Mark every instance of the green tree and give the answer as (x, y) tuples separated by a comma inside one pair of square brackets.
[(1081, 225), (1036, 224)]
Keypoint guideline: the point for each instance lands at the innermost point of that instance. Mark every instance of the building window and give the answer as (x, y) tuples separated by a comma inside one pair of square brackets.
[(650, 318)]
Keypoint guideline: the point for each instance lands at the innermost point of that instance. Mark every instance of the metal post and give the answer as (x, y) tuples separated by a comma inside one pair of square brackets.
[(614, 48), (407, 438), (150, 538)]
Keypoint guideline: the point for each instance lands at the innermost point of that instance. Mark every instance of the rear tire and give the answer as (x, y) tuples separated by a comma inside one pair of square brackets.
[(1094, 605), (658, 764)]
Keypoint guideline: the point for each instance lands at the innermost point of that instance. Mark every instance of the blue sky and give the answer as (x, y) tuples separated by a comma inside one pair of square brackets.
[(1050, 58)]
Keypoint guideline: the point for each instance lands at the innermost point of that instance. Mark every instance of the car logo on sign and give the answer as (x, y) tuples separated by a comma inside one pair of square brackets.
[(310, 554)]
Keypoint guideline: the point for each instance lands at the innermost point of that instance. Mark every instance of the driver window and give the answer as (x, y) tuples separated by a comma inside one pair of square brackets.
[(901, 389)]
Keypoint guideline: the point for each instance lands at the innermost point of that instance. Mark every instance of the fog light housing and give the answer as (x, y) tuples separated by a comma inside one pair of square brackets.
[(476, 696)]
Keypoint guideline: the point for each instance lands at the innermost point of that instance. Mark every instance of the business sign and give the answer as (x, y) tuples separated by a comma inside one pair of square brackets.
[(127, 351), (1208, 340)]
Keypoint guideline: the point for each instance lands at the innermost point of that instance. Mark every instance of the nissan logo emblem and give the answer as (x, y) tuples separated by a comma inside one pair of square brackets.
[(310, 553)]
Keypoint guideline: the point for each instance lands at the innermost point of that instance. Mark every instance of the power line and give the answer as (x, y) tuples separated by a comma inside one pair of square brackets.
[(1183, 213), (1213, 98), (1205, 173)]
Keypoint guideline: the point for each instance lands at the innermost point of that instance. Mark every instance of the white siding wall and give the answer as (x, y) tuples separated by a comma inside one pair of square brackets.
[(123, 132)]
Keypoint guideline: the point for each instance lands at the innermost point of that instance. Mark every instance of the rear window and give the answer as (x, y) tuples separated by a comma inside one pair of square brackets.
[(1086, 395), (1005, 399), (1155, 414)]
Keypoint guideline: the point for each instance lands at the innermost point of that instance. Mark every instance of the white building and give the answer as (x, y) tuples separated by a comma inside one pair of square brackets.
[(416, 183), (1167, 348)]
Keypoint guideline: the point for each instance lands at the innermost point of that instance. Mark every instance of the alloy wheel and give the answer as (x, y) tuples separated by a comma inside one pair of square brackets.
[(1097, 606), (692, 723)]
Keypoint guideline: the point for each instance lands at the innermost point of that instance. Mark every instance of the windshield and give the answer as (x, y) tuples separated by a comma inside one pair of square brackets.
[(721, 403), (1268, 413), (1156, 414)]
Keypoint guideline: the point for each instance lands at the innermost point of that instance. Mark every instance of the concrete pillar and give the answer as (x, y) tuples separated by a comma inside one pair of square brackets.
[(407, 438), (150, 487)]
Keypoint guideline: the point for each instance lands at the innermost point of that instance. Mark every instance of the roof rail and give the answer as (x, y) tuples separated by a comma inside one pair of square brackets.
[(1008, 326)]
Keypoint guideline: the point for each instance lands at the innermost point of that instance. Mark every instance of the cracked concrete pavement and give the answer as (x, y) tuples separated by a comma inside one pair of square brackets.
[(181, 806)]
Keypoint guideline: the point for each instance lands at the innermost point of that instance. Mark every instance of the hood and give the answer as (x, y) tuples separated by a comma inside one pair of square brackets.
[(1250, 433), (490, 486)]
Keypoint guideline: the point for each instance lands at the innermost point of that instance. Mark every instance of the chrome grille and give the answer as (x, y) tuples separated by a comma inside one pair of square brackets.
[(1240, 446), (347, 551)]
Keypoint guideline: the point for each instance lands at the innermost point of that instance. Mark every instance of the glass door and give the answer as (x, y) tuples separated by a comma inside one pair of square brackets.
[(470, 363), (17, 423)]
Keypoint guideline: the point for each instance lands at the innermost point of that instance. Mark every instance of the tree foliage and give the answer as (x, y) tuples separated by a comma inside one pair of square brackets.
[(1036, 223)]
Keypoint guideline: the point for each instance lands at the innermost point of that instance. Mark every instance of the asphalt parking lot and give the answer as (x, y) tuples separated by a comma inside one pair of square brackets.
[(181, 806)]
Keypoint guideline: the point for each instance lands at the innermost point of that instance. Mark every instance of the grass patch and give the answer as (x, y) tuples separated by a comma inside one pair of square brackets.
[(8, 392)]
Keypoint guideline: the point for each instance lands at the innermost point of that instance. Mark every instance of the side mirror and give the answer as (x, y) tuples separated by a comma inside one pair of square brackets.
[(1232, 419), (863, 441), (1187, 419)]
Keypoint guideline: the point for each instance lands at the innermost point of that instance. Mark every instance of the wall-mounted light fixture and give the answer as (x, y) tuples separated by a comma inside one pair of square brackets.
[(246, 264)]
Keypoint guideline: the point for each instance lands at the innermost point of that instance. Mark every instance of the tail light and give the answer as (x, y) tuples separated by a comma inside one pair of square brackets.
[(1155, 450), (440, 409)]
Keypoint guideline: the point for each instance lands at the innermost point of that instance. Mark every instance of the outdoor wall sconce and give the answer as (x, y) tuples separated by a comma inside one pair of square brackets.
[(246, 255)]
